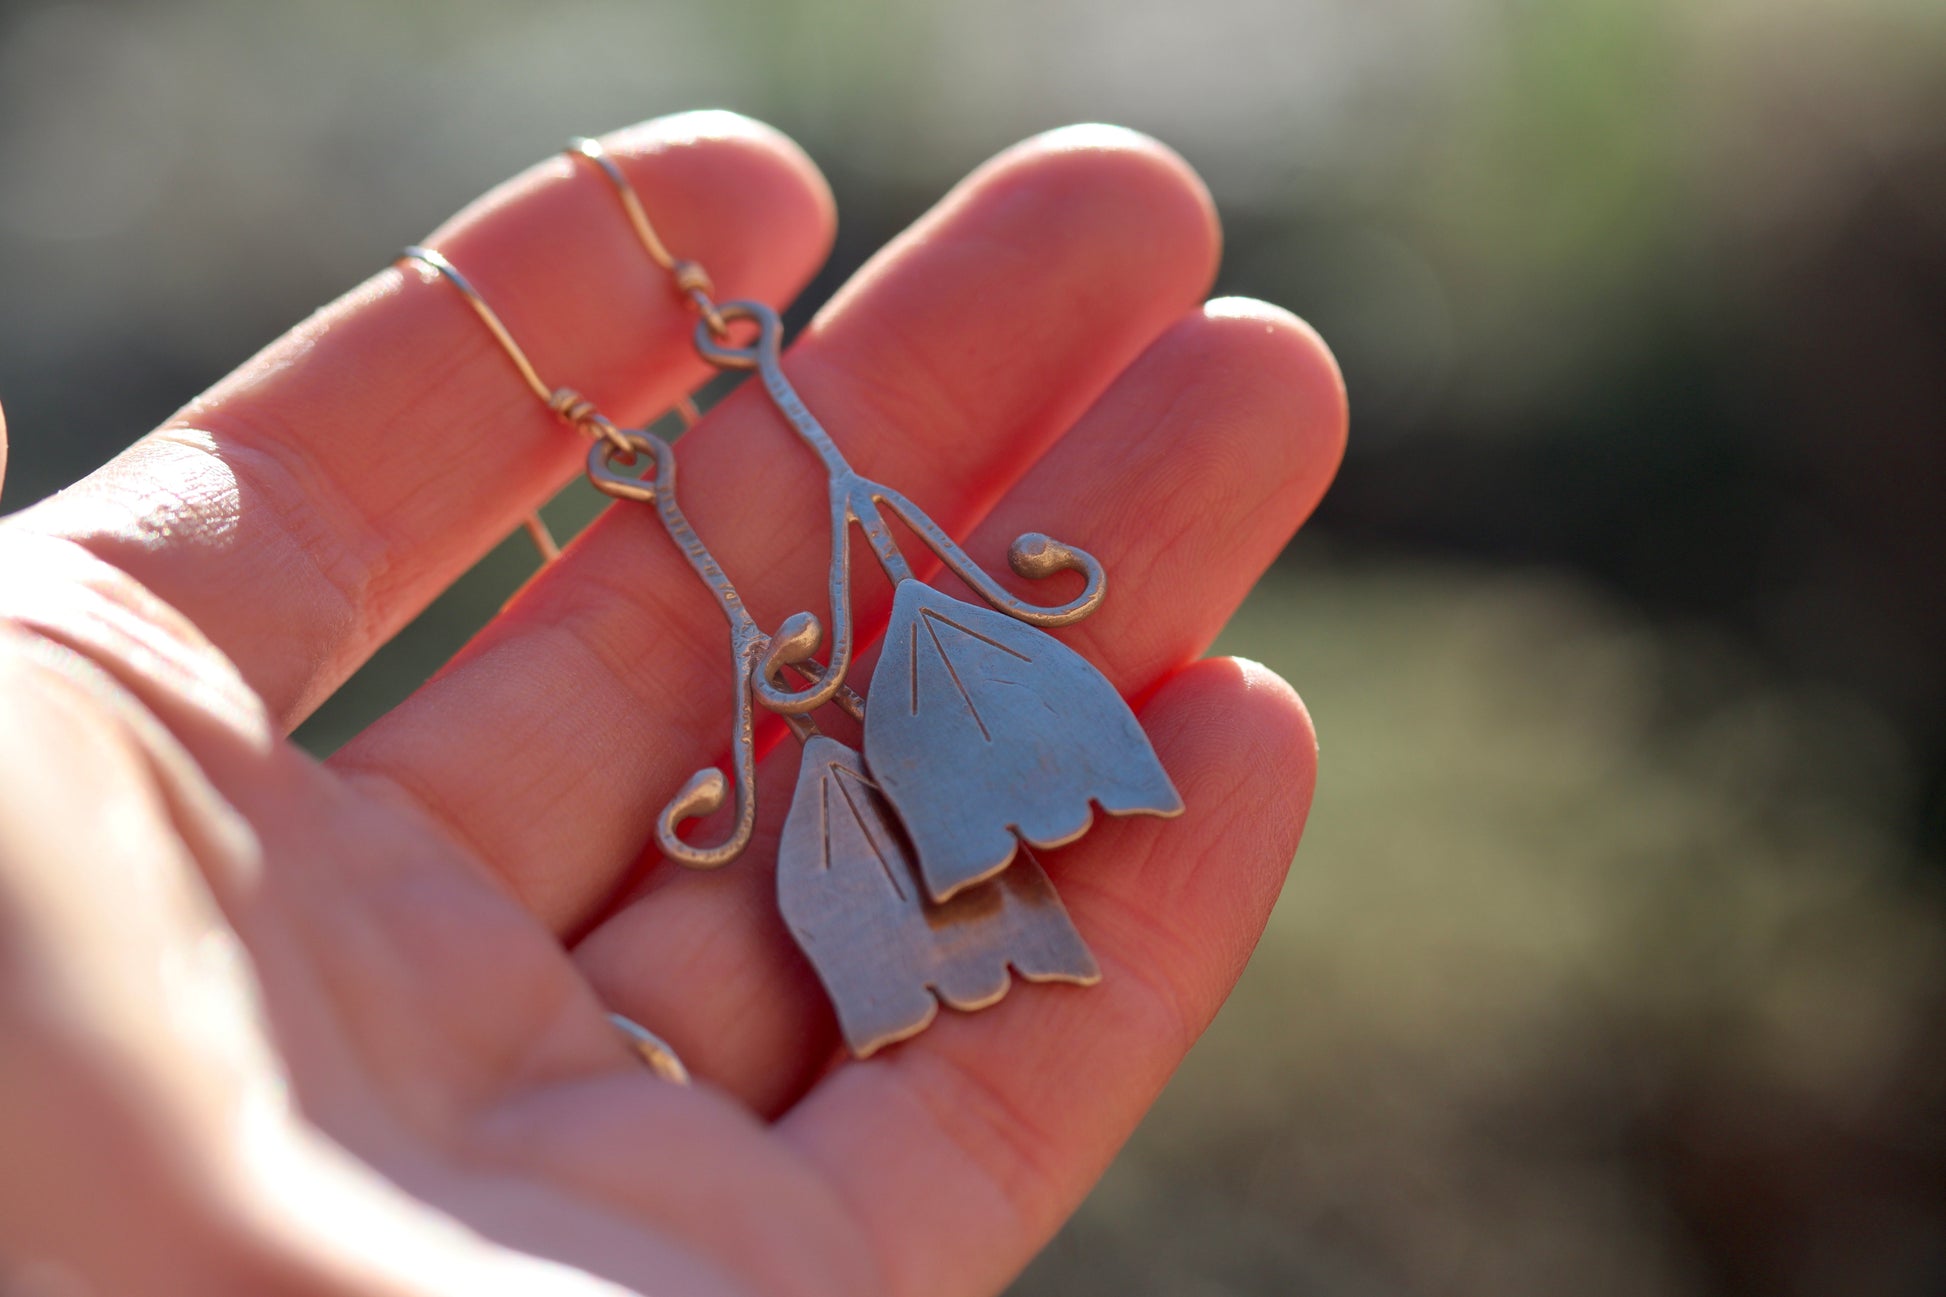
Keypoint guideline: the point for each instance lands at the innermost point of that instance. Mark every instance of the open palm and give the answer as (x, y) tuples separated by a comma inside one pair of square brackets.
[(275, 1026)]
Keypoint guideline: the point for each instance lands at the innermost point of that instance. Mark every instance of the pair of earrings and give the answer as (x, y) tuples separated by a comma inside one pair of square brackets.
[(906, 872)]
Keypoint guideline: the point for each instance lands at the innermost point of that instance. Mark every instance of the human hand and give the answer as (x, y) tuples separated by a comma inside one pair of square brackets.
[(276, 1026)]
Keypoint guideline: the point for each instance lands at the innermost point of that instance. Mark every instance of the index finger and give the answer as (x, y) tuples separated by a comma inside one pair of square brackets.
[(313, 502)]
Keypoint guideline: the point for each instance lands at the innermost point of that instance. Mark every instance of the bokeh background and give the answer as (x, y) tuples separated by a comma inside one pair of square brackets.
[(1613, 962)]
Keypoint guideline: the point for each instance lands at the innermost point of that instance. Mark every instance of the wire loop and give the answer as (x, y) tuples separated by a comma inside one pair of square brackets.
[(585, 417)]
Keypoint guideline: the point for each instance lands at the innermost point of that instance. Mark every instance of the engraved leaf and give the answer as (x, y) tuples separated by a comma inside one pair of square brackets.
[(984, 732), (886, 955)]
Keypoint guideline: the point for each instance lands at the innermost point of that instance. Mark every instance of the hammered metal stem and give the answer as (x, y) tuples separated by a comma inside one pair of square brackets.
[(749, 647), (858, 499)]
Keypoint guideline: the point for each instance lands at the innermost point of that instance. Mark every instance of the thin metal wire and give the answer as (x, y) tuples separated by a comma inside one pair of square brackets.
[(437, 260), (652, 1049), (544, 542), (631, 202), (537, 529), (567, 403), (691, 279)]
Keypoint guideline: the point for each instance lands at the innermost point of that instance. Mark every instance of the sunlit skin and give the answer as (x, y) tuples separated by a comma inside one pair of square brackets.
[(271, 1025)]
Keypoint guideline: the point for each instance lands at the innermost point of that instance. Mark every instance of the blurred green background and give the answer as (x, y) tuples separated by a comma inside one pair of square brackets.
[(1613, 961)]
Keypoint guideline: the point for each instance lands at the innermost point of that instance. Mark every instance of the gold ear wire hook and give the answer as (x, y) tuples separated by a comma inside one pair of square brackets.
[(691, 279), (536, 527), (572, 407), (565, 402), (490, 317)]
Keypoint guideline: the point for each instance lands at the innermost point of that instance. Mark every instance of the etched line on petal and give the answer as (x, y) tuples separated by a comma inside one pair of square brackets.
[(933, 621), (838, 775), (912, 664), (953, 672), (934, 615), (824, 819)]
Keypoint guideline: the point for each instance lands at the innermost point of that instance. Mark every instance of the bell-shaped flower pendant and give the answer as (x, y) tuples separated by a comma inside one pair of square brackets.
[(886, 954), (984, 733)]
